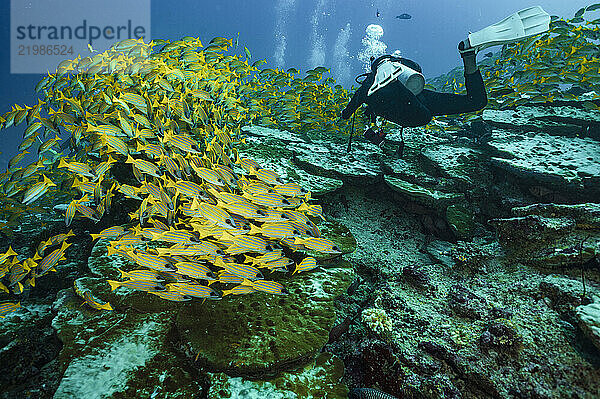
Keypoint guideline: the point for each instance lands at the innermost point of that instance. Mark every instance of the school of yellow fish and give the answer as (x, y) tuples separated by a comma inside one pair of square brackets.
[(310, 105), (208, 222)]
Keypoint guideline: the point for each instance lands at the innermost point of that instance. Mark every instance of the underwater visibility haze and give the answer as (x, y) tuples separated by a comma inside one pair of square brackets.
[(300, 199)]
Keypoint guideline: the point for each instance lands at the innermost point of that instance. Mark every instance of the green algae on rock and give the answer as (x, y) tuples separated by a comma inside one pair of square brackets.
[(589, 320), (569, 163), (320, 379), (461, 220), (332, 160), (259, 335), (268, 147), (550, 235), (422, 195)]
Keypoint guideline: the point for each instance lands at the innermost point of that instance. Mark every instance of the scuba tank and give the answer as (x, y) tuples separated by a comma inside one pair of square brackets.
[(388, 68)]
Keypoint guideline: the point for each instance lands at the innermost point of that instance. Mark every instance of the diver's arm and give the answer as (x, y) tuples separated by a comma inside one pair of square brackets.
[(359, 97)]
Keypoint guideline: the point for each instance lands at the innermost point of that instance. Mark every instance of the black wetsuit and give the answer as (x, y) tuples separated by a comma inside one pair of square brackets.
[(397, 104)]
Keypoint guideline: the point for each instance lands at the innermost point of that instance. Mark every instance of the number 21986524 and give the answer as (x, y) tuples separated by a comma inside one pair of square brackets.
[(45, 49)]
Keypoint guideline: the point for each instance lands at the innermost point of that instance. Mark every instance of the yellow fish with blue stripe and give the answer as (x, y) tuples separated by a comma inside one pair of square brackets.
[(195, 270), (8, 307), (194, 290), (270, 287), (37, 190), (143, 274), (87, 296), (151, 261), (275, 230), (240, 290), (268, 176), (139, 285), (144, 166), (250, 243), (320, 244), (82, 169), (171, 296), (49, 262), (307, 264), (10, 252), (174, 128), (114, 231), (241, 270), (272, 200)]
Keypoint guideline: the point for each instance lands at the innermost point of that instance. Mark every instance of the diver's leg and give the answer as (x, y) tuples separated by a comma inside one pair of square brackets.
[(473, 79), (448, 103), (469, 63)]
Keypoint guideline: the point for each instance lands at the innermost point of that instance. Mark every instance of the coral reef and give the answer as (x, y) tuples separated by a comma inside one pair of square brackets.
[(321, 378), (262, 337), (443, 289), (155, 135), (552, 235), (377, 320)]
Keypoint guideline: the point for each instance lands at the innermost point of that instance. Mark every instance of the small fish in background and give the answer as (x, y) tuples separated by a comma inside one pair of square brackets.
[(378, 14), (404, 16)]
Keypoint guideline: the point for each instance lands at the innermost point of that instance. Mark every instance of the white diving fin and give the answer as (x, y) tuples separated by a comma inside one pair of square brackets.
[(388, 71), (522, 24)]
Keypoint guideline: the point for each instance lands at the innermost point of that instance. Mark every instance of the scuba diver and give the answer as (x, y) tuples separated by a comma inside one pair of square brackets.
[(394, 89)]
